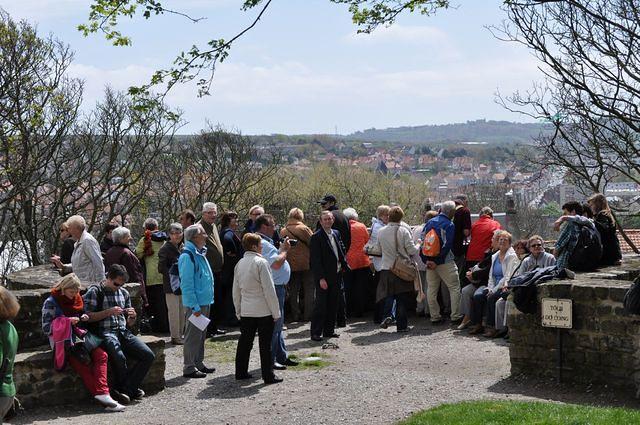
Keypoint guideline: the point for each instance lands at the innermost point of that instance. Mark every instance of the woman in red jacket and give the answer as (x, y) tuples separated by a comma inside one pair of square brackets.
[(359, 278)]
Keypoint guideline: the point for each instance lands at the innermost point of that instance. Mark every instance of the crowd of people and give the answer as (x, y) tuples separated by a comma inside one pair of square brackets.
[(445, 267)]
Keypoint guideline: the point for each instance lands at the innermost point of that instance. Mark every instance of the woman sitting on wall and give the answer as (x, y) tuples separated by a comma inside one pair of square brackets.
[(61, 313)]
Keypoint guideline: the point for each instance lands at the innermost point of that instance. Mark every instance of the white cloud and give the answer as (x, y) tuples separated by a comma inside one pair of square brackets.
[(401, 34), (280, 90)]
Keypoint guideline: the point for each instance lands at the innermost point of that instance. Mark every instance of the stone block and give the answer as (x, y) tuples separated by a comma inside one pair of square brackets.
[(37, 383), (617, 294), (582, 292)]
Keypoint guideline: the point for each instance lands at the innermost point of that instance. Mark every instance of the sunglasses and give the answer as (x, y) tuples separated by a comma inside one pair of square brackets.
[(536, 245)]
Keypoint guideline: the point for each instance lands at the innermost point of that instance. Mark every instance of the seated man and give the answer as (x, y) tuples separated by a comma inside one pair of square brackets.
[(109, 305), (568, 240)]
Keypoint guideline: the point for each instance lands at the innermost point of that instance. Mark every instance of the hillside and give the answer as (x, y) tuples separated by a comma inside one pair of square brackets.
[(472, 131)]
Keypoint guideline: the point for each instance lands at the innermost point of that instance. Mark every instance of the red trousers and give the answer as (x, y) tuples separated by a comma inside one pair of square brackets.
[(94, 376)]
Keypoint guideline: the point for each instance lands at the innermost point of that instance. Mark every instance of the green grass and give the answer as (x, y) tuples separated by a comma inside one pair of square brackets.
[(310, 364), (220, 351), (512, 412)]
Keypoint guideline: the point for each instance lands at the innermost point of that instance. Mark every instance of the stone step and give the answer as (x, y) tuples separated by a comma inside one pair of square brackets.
[(39, 384)]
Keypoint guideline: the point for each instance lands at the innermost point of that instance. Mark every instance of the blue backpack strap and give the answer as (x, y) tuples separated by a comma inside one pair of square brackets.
[(56, 305)]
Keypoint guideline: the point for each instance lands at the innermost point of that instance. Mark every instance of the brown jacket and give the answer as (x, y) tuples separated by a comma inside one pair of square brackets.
[(298, 256), (214, 246)]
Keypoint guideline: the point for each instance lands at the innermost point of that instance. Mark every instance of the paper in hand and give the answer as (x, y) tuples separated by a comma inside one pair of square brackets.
[(201, 322)]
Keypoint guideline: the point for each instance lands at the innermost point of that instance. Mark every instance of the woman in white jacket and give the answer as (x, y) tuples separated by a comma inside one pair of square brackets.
[(257, 308), (504, 263)]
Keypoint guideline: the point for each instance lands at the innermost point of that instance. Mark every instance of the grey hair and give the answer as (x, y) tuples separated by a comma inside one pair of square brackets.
[(77, 221), (448, 207), (350, 213), (119, 233), (175, 227), (192, 231), (486, 211), (208, 206), (150, 224)]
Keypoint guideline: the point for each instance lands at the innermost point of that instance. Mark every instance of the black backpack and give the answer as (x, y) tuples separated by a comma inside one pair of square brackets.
[(588, 250), (631, 300)]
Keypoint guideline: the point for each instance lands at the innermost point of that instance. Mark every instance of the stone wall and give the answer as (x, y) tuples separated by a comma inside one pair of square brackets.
[(32, 286), (603, 347), (36, 380), (38, 383)]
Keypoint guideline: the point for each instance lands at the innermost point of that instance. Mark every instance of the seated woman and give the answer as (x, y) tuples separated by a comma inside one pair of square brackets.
[(257, 308), (606, 226), (503, 265), (478, 276), (65, 302)]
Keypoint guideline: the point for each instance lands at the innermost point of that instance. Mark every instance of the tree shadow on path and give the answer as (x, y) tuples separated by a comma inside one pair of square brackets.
[(550, 389)]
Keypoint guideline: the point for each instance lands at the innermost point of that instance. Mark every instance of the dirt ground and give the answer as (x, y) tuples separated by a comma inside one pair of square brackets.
[(374, 377)]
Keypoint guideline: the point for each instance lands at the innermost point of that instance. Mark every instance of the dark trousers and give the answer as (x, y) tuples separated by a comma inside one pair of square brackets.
[(491, 307), (124, 344), (325, 309), (478, 305), (216, 314), (402, 300), (356, 286), (248, 328), (341, 313), (378, 307), (158, 309)]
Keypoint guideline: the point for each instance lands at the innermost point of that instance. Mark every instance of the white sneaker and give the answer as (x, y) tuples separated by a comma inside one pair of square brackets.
[(116, 408), (106, 400)]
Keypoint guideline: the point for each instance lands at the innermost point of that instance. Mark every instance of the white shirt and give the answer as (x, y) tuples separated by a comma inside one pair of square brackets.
[(254, 294), (334, 246)]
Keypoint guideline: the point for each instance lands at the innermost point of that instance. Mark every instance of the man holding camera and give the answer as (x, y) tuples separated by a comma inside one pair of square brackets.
[(281, 272)]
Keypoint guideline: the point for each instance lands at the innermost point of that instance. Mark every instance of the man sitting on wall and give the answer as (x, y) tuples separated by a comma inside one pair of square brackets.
[(109, 304)]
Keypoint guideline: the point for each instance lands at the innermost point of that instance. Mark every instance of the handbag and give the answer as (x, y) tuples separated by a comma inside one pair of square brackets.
[(403, 267)]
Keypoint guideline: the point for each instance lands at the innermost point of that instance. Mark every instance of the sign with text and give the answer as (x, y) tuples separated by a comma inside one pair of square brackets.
[(557, 313)]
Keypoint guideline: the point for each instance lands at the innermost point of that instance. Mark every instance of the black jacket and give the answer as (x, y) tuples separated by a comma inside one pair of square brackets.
[(323, 261), (341, 224), (167, 255), (610, 245)]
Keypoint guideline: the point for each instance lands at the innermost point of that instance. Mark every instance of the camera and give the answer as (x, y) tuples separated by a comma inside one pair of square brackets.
[(293, 242)]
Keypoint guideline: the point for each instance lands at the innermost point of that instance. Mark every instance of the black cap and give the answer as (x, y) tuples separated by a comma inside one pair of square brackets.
[(327, 198)]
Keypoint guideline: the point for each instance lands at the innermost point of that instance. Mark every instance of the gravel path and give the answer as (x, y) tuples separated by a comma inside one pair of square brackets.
[(375, 377)]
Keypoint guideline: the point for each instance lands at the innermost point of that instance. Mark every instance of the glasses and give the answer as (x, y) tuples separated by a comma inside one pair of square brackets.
[(537, 245), (176, 233)]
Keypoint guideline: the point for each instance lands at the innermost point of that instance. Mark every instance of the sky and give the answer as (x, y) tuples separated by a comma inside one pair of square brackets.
[(304, 69)]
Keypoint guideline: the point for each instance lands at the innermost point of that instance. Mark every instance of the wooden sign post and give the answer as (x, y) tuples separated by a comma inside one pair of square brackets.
[(557, 313)]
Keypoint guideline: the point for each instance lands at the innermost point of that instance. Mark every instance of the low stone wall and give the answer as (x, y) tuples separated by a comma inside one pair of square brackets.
[(32, 286), (38, 383), (603, 347)]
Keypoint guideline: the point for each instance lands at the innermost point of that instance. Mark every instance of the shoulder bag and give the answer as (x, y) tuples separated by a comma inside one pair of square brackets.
[(403, 267)]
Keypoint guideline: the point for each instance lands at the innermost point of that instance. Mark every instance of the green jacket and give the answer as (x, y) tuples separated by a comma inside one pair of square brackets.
[(8, 347), (153, 276)]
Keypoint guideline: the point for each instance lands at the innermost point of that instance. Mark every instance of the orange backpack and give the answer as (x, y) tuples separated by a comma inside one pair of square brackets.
[(431, 244)]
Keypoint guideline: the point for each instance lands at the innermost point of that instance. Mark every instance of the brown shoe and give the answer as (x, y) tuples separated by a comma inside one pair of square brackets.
[(476, 329), (490, 333)]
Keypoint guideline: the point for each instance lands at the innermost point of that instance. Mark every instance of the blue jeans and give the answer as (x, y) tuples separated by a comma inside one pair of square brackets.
[(479, 304), (278, 349), (396, 305), (120, 345)]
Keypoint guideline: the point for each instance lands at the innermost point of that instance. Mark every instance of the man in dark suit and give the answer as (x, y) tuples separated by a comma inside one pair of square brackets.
[(328, 263), (340, 222)]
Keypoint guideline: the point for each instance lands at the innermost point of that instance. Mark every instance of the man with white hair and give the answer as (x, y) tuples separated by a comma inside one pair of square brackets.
[(443, 267), (86, 260), (215, 256)]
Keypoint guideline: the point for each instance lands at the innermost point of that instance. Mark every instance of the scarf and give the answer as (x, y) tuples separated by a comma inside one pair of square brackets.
[(70, 308), (148, 248)]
